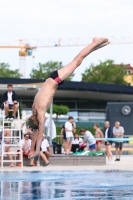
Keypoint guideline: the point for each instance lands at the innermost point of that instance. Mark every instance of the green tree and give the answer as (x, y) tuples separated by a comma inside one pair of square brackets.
[(105, 72), (59, 110), (43, 70), (5, 71)]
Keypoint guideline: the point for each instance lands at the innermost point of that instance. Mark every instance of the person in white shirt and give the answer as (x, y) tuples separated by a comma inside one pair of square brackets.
[(45, 147), (10, 99), (118, 132), (26, 145), (89, 138), (69, 134), (76, 142)]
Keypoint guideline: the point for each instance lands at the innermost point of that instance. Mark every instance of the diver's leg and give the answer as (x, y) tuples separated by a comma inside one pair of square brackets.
[(69, 69), (33, 142)]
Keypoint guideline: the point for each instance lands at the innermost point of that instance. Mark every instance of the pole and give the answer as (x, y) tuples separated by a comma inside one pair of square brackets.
[(50, 128)]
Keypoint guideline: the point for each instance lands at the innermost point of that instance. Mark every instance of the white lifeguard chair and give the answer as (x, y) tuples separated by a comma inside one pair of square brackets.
[(14, 140)]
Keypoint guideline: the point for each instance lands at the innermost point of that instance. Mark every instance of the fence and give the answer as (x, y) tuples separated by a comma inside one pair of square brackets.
[(127, 146)]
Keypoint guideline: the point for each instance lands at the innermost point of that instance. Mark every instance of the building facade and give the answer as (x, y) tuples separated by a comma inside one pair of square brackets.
[(86, 101)]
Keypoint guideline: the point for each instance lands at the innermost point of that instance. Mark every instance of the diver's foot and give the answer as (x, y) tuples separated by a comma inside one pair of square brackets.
[(99, 41), (100, 46)]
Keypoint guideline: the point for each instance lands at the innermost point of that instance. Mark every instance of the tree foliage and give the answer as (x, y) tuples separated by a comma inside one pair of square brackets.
[(43, 70), (59, 110), (5, 71), (105, 72)]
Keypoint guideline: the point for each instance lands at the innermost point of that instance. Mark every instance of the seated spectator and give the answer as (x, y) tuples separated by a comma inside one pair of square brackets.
[(76, 142), (25, 144), (7, 133), (45, 147), (89, 138), (82, 146), (10, 99)]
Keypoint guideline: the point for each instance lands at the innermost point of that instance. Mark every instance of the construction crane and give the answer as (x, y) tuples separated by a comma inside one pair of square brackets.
[(27, 46), (25, 50)]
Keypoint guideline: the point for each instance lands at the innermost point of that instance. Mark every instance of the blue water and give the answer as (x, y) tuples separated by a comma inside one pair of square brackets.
[(67, 185)]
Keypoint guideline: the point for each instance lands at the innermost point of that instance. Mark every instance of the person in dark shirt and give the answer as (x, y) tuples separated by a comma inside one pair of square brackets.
[(9, 100), (63, 135)]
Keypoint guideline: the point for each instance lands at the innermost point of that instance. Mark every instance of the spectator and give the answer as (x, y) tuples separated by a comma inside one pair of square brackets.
[(118, 132), (7, 140), (10, 99), (108, 133), (89, 138), (63, 135), (76, 142), (30, 131), (74, 127), (44, 153), (45, 147), (25, 144), (98, 134), (69, 134)]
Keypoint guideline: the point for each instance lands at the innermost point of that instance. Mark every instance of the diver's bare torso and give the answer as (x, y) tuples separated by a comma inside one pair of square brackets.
[(45, 96), (97, 133)]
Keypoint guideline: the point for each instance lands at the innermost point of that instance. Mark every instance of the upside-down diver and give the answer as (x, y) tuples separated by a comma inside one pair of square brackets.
[(45, 95)]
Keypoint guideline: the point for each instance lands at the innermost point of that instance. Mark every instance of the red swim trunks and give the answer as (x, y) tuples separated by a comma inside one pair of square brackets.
[(58, 80), (54, 75), (98, 141)]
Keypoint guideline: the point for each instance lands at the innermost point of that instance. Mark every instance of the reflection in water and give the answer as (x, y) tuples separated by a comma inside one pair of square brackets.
[(66, 185)]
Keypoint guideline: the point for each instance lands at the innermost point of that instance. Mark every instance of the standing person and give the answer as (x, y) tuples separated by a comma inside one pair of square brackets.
[(45, 95), (63, 135), (10, 99), (74, 126), (69, 134), (89, 138), (98, 134), (118, 132), (108, 133)]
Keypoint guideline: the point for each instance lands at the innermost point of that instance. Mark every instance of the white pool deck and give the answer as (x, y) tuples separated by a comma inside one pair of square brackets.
[(126, 163)]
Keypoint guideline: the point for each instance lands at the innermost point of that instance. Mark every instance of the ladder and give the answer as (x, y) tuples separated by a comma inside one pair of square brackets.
[(14, 141)]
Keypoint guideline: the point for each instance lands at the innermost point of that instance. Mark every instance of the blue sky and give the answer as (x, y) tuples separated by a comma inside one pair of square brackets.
[(38, 19)]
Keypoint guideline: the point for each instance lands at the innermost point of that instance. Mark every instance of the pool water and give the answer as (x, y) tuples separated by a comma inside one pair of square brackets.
[(67, 185)]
